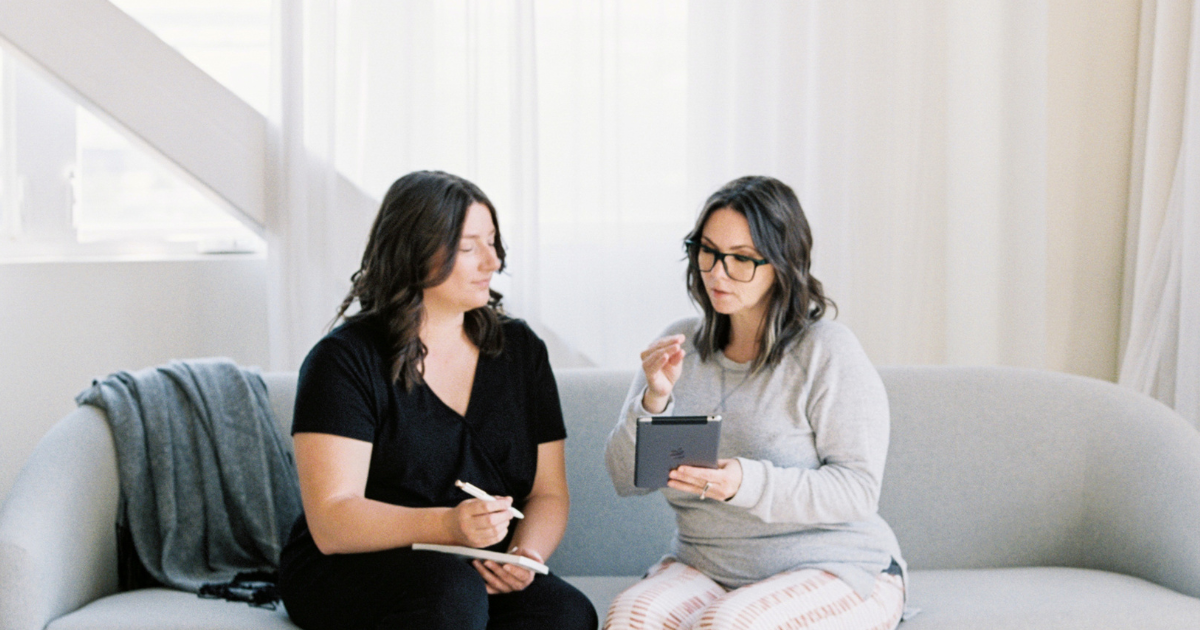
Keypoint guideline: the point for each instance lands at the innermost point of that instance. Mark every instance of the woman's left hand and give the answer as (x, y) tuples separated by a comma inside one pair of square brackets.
[(718, 483), (507, 578)]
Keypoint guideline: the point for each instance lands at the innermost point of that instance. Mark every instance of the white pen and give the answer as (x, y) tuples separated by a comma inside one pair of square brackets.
[(480, 494)]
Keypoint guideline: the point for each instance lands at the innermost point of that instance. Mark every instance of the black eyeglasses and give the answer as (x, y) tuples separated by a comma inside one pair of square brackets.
[(737, 266)]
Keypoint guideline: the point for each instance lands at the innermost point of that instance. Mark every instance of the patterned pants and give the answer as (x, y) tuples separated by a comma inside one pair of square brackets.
[(674, 596)]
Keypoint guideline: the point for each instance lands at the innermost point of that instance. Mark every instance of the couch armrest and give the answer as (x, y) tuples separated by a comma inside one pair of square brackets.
[(1144, 498), (57, 526)]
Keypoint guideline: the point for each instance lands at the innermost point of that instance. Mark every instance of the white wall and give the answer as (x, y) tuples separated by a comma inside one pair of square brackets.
[(63, 324)]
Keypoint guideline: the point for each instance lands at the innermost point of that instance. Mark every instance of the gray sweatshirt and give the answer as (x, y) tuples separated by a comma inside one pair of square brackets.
[(811, 436)]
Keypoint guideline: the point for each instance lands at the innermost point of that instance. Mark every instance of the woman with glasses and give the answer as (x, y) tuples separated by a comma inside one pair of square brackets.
[(785, 532), (425, 385)]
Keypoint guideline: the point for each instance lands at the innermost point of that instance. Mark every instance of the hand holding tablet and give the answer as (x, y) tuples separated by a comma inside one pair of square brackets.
[(719, 484), (667, 442)]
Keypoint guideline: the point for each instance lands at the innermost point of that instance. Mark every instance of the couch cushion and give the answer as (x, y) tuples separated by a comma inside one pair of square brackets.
[(164, 609), (995, 599), (1047, 599), (982, 599)]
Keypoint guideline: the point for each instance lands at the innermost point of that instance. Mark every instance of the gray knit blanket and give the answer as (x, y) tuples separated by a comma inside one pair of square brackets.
[(208, 487)]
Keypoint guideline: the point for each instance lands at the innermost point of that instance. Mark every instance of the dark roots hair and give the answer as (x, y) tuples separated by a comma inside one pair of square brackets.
[(781, 234), (412, 247)]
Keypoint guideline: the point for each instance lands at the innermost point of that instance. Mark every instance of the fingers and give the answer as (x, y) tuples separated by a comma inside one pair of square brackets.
[(503, 578), (507, 578), (690, 485), (710, 483), (676, 358), (498, 504), (695, 474), (494, 510), (654, 361), (484, 523), (660, 344), (528, 553), (663, 350), (661, 363), (490, 579)]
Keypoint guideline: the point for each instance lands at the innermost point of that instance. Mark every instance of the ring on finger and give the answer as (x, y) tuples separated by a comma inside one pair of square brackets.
[(704, 490)]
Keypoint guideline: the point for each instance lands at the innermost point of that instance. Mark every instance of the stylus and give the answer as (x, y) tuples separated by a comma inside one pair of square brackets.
[(480, 494)]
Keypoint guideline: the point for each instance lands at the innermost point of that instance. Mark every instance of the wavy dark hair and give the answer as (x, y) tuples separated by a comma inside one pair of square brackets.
[(413, 246), (782, 236)]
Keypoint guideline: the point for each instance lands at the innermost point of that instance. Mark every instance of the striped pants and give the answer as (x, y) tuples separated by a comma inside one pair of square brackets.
[(674, 596)]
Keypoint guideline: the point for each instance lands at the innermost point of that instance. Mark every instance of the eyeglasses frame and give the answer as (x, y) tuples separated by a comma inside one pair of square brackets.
[(719, 257)]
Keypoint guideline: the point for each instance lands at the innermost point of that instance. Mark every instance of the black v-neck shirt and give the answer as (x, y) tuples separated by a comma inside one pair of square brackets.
[(421, 445)]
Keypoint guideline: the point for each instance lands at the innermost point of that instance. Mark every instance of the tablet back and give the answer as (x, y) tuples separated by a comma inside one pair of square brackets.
[(665, 442)]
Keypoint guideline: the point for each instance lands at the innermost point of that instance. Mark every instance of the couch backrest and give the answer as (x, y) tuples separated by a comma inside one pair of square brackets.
[(281, 388), (606, 534), (988, 467), (995, 467)]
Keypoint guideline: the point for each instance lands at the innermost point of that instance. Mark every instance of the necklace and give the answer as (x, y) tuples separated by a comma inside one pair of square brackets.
[(720, 407)]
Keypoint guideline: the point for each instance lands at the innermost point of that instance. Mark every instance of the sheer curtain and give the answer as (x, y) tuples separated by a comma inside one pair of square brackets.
[(1162, 271), (570, 116), (913, 132), (317, 221), (448, 86)]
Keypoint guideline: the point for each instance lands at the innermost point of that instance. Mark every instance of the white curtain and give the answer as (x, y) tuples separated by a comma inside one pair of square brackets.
[(569, 115), (914, 133), (1161, 322), (317, 221), (448, 86)]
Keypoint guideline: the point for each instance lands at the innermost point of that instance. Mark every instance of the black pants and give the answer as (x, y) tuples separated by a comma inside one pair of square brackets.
[(402, 588)]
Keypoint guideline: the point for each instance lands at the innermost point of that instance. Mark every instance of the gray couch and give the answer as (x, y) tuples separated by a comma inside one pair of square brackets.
[(1022, 499)]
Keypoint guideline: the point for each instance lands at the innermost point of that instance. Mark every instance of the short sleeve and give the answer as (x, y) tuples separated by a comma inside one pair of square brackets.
[(335, 393), (544, 404)]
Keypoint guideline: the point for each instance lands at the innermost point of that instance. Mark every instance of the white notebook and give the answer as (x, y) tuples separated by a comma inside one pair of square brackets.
[(468, 552)]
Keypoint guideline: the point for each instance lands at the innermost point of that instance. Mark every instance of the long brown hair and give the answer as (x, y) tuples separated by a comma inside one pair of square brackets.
[(781, 234), (412, 247)]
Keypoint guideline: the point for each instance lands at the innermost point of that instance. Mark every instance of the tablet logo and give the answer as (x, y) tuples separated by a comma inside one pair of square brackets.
[(677, 453)]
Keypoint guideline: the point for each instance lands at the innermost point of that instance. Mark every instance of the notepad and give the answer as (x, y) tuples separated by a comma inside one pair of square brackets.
[(484, 554)]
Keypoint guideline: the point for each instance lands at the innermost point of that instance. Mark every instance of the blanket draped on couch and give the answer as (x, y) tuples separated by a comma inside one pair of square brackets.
[(208, 487)]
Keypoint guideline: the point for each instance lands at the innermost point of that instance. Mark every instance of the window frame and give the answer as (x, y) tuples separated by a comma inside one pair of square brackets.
[(42, 225)]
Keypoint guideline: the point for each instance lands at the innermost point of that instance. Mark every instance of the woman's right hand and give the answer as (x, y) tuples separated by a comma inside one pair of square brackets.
[(662, 363), (478, 523)]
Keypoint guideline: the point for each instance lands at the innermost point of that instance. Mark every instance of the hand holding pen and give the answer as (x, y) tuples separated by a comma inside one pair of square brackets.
[(480, 522), (483, 496)]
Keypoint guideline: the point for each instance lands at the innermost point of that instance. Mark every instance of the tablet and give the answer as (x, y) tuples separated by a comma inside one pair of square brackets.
[(666, 442)]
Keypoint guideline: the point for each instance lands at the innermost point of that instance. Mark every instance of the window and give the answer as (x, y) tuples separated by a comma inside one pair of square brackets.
[(73, 185), (228, 39)]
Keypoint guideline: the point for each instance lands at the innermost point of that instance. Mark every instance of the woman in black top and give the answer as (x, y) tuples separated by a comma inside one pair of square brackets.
[(428, 384)]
